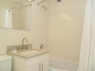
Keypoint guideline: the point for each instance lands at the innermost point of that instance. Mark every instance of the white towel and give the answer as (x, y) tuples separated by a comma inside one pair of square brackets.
[(8, 19)]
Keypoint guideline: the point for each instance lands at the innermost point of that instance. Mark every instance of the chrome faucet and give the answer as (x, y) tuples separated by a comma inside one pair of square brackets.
[(23, 42)]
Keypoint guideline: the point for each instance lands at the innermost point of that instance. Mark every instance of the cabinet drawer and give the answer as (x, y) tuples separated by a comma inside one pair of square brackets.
[(37, 59)]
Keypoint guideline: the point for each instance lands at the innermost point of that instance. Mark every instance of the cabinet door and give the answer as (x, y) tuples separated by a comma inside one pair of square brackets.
[(34, 68), (46, 65)]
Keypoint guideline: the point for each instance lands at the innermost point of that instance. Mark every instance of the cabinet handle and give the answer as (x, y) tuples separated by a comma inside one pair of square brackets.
[(42, 66), (39, 68)]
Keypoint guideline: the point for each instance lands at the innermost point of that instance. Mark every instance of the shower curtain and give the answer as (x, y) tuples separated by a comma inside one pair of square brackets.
[(8, 19), (87, 54)]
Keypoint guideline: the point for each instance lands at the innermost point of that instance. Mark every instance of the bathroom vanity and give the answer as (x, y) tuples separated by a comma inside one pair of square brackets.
[(30, 60)]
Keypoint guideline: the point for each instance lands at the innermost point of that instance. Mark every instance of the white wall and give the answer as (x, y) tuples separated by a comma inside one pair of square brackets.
[(39, 24), (12, 37), (65, 28), (38, 35)]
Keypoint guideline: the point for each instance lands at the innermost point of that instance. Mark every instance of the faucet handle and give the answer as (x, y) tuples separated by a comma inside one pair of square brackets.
[(13, 50), (42, 46)]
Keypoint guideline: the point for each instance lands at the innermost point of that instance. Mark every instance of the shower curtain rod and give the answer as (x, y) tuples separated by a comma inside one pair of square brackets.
[(21, 6)]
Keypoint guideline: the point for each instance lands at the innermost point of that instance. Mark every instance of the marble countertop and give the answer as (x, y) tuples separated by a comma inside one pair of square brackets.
[(19, 53)]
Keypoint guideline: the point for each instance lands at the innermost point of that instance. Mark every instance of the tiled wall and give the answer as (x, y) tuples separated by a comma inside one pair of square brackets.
[(65, 28)]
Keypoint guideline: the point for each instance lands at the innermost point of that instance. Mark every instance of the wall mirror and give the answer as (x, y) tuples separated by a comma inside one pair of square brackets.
[(16, 14)]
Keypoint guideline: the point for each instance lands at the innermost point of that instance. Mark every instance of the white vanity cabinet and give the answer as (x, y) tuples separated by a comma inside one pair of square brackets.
[(36, 63), (44, 66)]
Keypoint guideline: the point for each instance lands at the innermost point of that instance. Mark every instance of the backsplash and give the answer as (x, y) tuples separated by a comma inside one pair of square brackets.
[(18, 47)]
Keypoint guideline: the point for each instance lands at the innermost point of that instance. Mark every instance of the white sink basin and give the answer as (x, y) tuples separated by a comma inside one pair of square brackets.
[(29, 52)]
